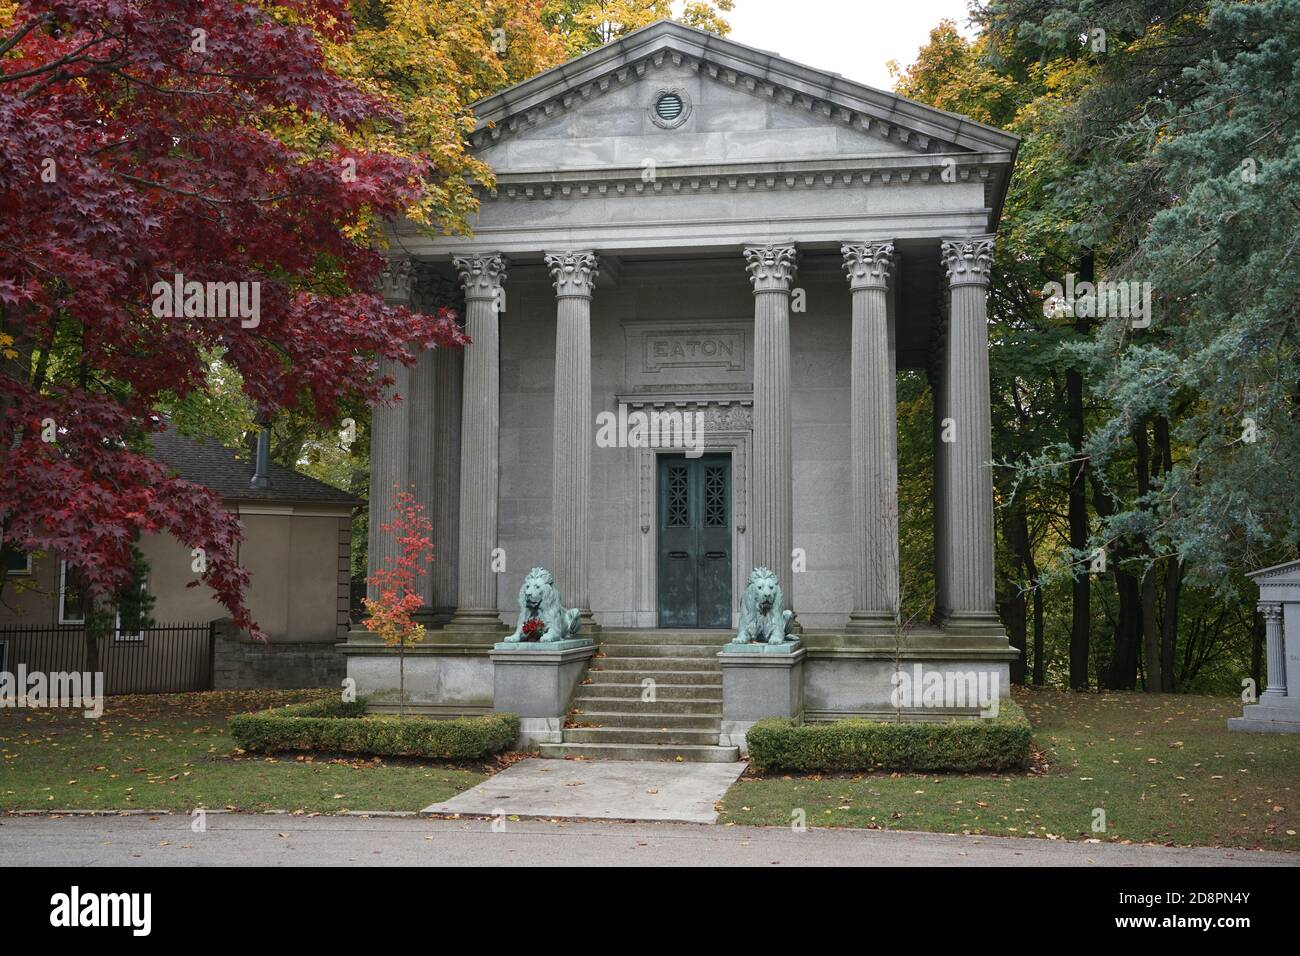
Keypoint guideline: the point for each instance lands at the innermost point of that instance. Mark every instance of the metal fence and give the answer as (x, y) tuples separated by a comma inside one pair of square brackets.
[(168, 658)]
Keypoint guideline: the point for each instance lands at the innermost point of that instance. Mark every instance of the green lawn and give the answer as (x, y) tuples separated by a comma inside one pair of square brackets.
[(1164, 768), (173, 752)]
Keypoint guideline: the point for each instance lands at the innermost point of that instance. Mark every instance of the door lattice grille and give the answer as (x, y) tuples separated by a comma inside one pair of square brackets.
[(715, 497), (678, 506)]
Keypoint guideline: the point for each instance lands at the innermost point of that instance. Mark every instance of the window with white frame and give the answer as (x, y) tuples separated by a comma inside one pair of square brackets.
[(72, 596), (15, 562)]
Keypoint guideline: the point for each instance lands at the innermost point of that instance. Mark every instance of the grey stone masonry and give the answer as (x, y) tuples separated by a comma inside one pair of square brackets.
[(446, 480), (390, 447), (967, 594), (771, 272), (874, 440), (574, 276), (420, 400), (482, 277), (240, 663)]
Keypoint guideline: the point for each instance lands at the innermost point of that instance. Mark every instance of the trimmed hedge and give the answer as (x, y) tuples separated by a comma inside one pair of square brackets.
[(1000, 743), (336, 726)]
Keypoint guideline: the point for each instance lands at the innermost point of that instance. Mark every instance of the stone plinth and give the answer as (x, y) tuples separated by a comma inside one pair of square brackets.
[(759, 680), (443, 679), (536, 681), (856, 676)]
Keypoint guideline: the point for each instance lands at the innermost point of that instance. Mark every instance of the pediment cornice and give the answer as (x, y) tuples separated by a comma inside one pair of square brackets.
[(985, 168), (921, 128)]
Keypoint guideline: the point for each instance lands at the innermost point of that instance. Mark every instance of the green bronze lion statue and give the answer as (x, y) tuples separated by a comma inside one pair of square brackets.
[(538, 599), (763, 617)]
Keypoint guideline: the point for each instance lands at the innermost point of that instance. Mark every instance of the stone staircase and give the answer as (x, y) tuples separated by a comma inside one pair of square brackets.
[(609, 720)]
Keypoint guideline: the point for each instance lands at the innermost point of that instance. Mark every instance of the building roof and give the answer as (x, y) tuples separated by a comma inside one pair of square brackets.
[(215, 466), (590, 73)]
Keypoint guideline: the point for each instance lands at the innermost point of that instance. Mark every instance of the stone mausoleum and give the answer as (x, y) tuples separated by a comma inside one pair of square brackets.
[(686, 231)]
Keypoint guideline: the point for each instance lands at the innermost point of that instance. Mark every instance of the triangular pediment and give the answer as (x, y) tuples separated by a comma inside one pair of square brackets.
[(738, 106), (1287, 573)]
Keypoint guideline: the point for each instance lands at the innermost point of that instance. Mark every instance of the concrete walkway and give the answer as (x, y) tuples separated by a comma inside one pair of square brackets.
[(599, 790), (281, 840)]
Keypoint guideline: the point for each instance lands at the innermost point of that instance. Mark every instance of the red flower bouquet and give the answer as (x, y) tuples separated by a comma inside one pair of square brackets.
[(533, 629)]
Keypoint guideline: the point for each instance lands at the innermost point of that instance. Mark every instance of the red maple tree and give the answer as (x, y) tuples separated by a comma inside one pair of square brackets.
[(145, 139)]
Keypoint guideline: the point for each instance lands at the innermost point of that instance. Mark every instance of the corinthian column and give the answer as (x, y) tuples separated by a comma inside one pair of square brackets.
[(874, 444), (968, 508), (1276, 682), (389, 440), (771, 270), (476, 593), (574, 275)]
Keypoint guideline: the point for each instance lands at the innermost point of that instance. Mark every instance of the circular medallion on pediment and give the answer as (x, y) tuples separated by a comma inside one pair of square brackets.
[(669, 108)]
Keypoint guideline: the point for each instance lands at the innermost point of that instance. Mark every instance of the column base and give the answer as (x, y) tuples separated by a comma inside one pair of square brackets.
[(871, 622), (972, 624), (485, 621), (434, 618), (590, 626)]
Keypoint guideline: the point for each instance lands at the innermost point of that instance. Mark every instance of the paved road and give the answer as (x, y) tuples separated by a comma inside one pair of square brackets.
[(234, 839)]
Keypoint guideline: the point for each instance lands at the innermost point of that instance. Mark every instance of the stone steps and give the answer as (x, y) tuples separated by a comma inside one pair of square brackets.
[(681, 723), (615, 719), (632, 704), (639, 735), (703, 651), (714, 639), (660, 677), (619, 663), (685, 752), (604, 688)]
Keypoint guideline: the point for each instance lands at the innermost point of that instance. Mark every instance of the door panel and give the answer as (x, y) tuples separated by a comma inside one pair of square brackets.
[(694, 541)]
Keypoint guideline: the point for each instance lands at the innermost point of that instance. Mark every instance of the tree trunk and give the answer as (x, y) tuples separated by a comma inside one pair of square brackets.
[(1169, 629), (1173, 578), (1257, 652), (1015, 530), (1150, 633), (1151, 659), (1081, 593)]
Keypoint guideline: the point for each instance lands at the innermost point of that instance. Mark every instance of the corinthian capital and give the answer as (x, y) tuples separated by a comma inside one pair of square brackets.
[(481, 276), (968, 261), (574, 273), (868, 264), (397, 284), (771, 268)]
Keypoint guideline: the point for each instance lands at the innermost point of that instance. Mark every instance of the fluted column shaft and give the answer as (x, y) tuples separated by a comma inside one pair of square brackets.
[(446, 479), (969, 477), (389, 435), (771, 272), (1276, 644), (874, 439), (476, 591), (574, 275), (422, 454)]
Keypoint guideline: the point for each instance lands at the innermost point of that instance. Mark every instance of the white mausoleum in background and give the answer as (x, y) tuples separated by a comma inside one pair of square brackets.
[(685, 226)]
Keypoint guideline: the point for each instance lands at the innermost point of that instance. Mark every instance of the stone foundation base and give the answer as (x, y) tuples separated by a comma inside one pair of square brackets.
[(1279, 715), (239, 663), (443, 678)]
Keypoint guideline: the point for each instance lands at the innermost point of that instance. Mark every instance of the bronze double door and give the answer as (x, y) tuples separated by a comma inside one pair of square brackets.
[(695, 556)]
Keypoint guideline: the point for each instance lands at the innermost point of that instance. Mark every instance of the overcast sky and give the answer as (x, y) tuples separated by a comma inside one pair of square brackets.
[(853, 37)]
